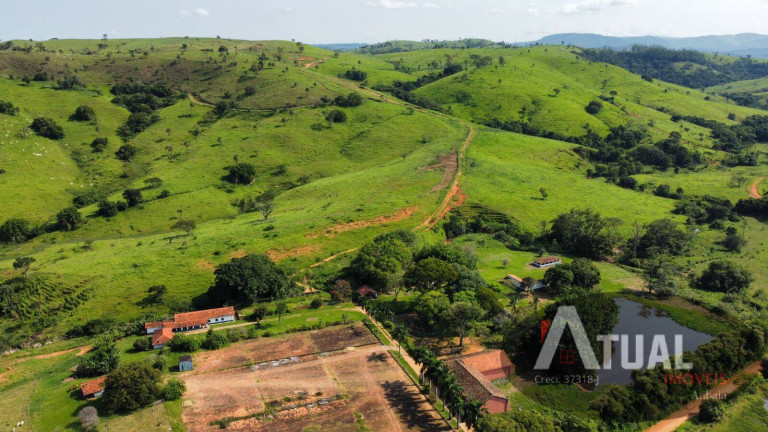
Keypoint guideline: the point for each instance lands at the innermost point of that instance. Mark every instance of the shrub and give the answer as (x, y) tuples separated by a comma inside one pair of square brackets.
[(15, 230), (628, 182), (47, 128), (214, 340), (183, 343), (8, 108), (711, 411), (142, 344), (99, 144), (594, 107), (107, 208), (84, 113), (126, 152), (355, 75), (241, 173), (174, 390), (336, 116), (133, 197), (69, 219), (351, 100), (724, 276), (89, 418), (316, 303), (69, 83)]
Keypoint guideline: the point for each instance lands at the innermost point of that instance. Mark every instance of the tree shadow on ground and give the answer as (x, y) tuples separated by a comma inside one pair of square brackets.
[(407, 402)]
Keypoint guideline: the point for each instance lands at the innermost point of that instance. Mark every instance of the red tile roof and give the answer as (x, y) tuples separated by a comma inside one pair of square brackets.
[(475, 384), (93, 386), (547, 260), (162, 336), (204, 315), (366, 290), (154, 324), (517, 278), (488, 360)]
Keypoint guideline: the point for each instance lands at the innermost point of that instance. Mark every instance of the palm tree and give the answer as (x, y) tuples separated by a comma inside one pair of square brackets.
[(473, 411), (400, 333)]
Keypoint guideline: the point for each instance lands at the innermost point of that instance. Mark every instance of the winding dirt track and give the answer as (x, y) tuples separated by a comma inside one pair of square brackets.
[(678, 418), (753, 190)]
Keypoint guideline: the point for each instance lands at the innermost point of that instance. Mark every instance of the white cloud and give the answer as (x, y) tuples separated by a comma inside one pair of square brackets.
[(391, 4), (534, 11), (435, 5), (586, 6), (202, 13), (495, 10)]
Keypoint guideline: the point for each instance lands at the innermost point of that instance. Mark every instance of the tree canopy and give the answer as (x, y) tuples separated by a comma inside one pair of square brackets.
[(249, 279)]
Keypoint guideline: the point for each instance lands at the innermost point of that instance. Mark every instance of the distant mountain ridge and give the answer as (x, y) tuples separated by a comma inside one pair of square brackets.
[(743, 44)]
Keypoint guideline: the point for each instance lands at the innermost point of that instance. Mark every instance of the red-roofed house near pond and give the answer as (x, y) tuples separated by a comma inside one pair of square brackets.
[(93, 388), (162, 331), (475, 372)]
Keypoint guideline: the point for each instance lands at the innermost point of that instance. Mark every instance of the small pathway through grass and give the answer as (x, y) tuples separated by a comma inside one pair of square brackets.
[(753, 190)]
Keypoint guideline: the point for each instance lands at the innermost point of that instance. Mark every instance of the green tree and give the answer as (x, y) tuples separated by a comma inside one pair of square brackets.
[(280, 309), (15, 230), (133, 197), (711, 411), (142, 344), (336, 116), (126, 152), (265, 204), (100, 360), (130, 387), (69, 219), (400, 334), (241, 173), (430, 274), (429, 306), (184, 225), (259, 312), (585, 273), (214, 340), (461, 318), (724, 276), (99, 144), (47, 128), (380, 263), (84, 113), (585, 233), (183, 343), (107, 208), (174, 389), (249, 279), (23, 263)]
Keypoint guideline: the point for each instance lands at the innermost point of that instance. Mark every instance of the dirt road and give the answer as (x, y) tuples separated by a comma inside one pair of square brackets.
[(753, 190), (678, 418)]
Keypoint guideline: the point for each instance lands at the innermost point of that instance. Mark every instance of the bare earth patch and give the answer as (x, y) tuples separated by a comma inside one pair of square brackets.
[(380, 220), (281, 254), (449, 163), (323, 392), (205, 265), (240, 253)]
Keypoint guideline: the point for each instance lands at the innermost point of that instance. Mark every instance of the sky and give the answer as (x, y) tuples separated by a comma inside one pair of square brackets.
[(367, 21)]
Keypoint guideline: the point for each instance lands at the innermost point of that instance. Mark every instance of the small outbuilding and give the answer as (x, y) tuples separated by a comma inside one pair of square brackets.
[(547, 262), (185, 363), (93, 388)]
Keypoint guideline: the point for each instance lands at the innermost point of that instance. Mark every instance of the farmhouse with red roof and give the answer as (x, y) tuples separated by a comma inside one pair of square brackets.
[(162, 331)]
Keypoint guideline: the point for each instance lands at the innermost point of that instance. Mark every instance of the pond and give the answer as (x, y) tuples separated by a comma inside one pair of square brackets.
[(638, 319)]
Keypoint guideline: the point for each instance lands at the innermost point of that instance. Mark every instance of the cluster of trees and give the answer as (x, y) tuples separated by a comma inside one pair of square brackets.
[(8, 108), (736, 139), (47, 128), (585, 233), (486, 221), (650, 395), (706, 209), (136, 385), (355, 75), (142, 100), (753, 207), (69, 83), (700, 70), (350, 100), (241, 173), (452, 296), (594, 107), (626, 150), (248, 280), (530, 420)]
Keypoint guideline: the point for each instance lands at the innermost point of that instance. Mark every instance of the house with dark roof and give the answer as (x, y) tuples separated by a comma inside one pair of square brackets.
[(547, 262), (475, 372), (193, 320), (366, 292), (93, 388)]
